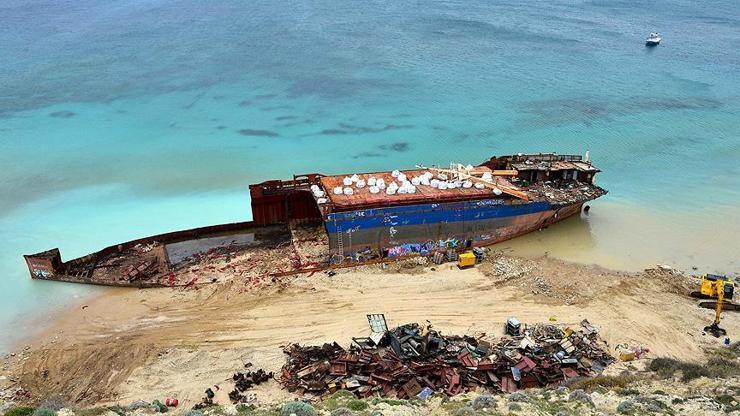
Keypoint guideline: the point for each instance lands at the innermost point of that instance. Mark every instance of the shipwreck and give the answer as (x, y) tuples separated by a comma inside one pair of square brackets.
[(314, 222)]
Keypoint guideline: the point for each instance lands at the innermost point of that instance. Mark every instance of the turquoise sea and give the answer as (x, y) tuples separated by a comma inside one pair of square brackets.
[(120, 119)]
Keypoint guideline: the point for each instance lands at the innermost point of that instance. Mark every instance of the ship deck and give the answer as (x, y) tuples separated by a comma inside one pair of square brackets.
[(363, 198)]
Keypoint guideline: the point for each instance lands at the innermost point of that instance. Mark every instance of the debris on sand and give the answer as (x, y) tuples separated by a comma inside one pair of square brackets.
[(410, 359)]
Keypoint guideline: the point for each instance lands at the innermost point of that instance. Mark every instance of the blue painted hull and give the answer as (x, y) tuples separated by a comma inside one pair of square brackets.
[(400, 229)]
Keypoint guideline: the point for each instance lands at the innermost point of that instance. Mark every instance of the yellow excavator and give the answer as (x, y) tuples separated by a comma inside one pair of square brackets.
[(719, 289)]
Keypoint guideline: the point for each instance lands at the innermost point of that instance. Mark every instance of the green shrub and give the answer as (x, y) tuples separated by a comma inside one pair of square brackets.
[(297, 408), (484, 401), (42, 411), (357, 405), (19, 411), (159, 407), (590, 384), (343, 394), (667, 367), (721, 367), (341, 411), (93, 411), (628, 392), (465, 411), (391, 402), (244, 408), (626, 407)]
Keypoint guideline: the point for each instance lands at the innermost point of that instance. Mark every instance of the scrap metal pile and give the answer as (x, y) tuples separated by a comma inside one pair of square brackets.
[(564, 191), (412, 360), (245, 381)]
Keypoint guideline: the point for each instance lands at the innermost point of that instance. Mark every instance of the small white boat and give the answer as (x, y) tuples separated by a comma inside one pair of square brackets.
[(653, 40)]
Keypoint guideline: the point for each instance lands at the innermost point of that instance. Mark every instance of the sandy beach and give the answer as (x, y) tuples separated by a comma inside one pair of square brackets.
[(146, 344)]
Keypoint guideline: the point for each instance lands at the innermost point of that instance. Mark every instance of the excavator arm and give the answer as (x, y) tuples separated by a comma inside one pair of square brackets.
[(714, 329)]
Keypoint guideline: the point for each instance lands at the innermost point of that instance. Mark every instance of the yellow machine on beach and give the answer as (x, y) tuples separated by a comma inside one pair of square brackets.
[(466, 260), (721, 290)]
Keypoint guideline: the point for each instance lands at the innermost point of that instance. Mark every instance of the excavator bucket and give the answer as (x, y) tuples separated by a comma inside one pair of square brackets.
[(715, 330)]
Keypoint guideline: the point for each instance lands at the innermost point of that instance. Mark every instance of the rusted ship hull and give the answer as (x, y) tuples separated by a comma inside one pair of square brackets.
[(430, 227), (161, 260), (314, 222)]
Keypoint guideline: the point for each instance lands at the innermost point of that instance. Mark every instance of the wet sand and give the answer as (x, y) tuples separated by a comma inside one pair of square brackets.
[(625, 237)]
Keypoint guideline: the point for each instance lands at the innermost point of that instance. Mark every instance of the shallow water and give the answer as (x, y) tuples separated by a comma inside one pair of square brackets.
[(128, 119)]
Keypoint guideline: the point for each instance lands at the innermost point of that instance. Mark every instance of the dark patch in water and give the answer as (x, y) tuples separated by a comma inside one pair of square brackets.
[(367, 154), (297, 123), (172, 125), (587, 110), (351, 129), (333, 88), (220, 127), (264, 96), (63, 114), (245, 103), (282, 118), (690, 103), (465, 28), (257, 132), (218, 97), (396, 147), (197, 98), (277, 107)]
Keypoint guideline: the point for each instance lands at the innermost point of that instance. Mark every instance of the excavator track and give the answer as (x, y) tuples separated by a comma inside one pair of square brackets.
[(699, 295), (726, 306)]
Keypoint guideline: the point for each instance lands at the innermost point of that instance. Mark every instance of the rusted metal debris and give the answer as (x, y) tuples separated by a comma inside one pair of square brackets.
[(244, 381), (412, 358)]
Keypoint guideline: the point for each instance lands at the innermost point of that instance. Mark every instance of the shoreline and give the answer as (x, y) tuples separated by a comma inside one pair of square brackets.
[(46, 321), (146, 343)]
